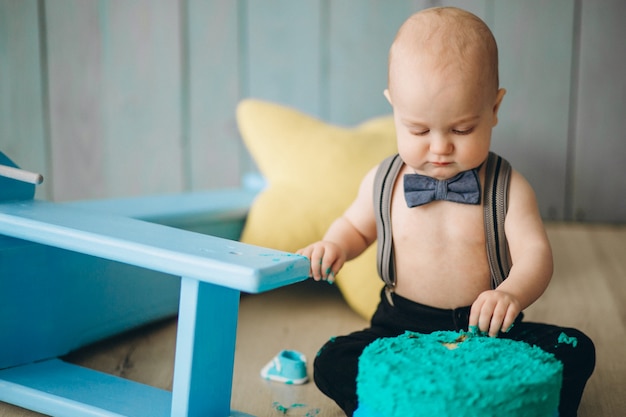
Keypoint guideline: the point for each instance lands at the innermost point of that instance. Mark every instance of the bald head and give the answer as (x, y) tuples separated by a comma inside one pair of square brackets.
[(449, 41)]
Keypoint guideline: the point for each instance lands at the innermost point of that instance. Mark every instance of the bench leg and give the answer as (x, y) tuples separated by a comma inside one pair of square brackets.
[(205, 350)]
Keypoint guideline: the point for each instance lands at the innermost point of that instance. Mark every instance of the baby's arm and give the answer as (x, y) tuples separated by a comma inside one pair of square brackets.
[(496, 310), (347, 237)]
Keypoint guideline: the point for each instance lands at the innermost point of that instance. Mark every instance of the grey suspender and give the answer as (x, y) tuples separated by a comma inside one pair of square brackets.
[(383, 185), (495, 204), (497, 174)]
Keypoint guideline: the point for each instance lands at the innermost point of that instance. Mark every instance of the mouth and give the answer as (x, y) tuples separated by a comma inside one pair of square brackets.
[(441, 164)]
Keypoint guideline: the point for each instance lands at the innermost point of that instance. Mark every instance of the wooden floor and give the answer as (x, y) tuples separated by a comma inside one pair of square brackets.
[(588, 291)]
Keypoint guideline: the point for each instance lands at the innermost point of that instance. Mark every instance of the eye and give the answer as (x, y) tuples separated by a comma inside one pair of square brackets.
[(463, 131), (415, 132)]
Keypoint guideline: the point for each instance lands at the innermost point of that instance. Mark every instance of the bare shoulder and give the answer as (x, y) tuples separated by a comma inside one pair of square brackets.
[(523, 220), (361, 212), (521, 195), (367, 184), (365, 195)]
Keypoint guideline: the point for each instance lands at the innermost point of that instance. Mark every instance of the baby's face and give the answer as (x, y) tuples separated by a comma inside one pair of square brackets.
[(443, 118)]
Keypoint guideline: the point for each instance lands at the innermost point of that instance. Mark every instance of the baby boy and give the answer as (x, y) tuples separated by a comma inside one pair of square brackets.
[(444, 90)]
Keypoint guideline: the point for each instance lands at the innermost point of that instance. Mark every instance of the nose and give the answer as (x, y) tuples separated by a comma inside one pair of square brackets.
[(441, 144)]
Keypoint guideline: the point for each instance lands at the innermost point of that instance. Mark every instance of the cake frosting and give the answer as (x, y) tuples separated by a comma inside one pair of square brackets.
[(447, 374)]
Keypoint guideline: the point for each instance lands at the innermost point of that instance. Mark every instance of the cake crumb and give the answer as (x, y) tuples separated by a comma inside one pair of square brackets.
[(284, 409), (451, 346)]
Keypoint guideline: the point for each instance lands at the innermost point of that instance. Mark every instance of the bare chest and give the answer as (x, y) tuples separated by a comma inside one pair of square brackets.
[(438, 227), (440, 253)]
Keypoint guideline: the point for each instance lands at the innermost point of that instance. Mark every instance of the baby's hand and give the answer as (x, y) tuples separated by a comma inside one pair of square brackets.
[(494, 311), (326, 258)]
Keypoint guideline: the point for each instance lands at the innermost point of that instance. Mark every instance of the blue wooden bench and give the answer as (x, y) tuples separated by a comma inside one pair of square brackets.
[(75, 273)]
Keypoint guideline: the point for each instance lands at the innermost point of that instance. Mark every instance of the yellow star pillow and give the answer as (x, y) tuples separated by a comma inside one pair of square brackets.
[(313, 170)]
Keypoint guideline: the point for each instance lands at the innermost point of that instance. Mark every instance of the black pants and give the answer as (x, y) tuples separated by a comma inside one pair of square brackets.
[(336, 364)]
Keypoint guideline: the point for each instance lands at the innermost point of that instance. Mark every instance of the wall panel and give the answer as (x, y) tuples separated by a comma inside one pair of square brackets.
[(114, 79), (213, 151), (22, 113), (535, 41), (115, 98), (599, 177), (141, 64), (283, 51), (481, 8), (359, 36), (75, 83)]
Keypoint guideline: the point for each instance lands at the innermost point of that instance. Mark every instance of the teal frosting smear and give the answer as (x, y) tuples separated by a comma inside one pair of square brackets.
[(567, 340), (284, 409), (448, 374)]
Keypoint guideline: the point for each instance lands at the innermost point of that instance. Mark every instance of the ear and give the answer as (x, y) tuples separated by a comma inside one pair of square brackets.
[(387, 95), (496, 106)]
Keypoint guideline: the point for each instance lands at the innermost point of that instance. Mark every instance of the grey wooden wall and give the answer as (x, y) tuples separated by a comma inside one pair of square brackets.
[(118, 98)]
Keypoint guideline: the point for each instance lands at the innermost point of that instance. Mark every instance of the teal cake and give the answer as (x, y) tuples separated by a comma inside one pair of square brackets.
[(447, 374)]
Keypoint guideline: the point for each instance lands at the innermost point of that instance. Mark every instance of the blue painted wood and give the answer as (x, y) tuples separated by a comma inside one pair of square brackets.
[(217, 212), (65, 300), (205, 350), (206, 258), (214, 270), (58, 388), (12, 189)]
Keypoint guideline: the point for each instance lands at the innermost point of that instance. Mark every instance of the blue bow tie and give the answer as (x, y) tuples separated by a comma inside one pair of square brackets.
[(462, 188)]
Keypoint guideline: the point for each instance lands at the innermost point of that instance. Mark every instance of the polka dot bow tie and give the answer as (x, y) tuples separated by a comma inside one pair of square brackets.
[(462, 188)]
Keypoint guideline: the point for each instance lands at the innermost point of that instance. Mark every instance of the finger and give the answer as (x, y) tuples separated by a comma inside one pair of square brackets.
[(326, 268), (317, 257), (509, 320), (475, 313), (497, 318), (331, 278), (306, 252), (486, 313)]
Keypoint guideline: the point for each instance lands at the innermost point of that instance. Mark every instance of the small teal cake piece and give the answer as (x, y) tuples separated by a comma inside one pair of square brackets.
[(448, 374)]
